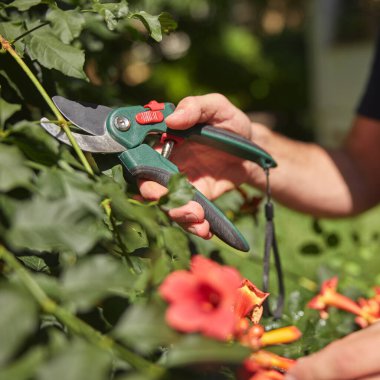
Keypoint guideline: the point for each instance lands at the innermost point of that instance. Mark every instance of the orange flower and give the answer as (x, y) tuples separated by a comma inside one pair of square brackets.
[(328, 296), (202, 299), (249, 301)]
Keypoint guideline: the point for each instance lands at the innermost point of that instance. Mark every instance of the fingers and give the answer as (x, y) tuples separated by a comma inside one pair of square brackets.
[(190, 217), (199, 109), (191, 212), (343, 359)]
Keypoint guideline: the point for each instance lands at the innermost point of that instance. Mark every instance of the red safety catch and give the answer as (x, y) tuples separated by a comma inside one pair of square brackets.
[(149, 117), (168, 136), (155, 106)]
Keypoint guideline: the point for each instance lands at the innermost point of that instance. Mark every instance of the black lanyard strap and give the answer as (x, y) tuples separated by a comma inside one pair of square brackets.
[(269, 246)]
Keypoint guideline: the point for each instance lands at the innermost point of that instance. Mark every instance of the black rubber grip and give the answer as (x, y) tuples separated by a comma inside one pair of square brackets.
[(220, 225)]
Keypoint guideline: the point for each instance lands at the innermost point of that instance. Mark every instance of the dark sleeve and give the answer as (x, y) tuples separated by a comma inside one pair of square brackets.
[(370, 103)]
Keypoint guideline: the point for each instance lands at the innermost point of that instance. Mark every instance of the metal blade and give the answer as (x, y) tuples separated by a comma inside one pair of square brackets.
[(89, 117), (94, 144)]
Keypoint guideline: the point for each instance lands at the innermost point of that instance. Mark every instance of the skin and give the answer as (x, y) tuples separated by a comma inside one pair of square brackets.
[(330, 183)]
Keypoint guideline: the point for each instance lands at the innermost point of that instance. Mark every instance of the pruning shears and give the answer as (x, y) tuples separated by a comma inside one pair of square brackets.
[(123, 131)]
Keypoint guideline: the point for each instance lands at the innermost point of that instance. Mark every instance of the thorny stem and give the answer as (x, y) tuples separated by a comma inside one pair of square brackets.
[(76, 325), (61, 121)]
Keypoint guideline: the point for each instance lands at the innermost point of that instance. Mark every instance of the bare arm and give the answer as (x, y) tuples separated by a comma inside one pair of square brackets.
[(333, 183)]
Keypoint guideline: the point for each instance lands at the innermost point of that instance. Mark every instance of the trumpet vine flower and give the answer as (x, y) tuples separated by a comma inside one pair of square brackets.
[(202, 299)]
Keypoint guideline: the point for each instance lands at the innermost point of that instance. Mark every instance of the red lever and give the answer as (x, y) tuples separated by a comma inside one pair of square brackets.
[(149, 117), (155, 106)]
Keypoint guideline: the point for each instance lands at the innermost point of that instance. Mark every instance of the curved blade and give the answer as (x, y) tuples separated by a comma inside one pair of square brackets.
[(94, 144), (88, 117)]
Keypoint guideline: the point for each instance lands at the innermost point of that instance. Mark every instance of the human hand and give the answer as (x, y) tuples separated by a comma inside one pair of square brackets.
[(211, 171), (355, 357)]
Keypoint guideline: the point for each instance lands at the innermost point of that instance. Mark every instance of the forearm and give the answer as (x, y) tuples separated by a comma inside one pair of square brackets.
[(311, 179)]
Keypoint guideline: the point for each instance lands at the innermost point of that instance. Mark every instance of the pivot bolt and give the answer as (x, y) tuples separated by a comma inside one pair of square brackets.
[(122, 123)]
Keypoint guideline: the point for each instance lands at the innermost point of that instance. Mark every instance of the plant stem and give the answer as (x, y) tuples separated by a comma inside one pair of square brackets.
[(61, 120), (76, 325)]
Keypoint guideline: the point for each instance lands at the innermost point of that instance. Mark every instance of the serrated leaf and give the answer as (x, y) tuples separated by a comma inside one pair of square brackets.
[(112, 12), (92, 278), (67, 25), (78, 361), (180, 192), (195, 349), (6, 111), (19, 311), (143, 327), (35, 263), (151, 23), (50, 52), (24, 5), (13, 172)]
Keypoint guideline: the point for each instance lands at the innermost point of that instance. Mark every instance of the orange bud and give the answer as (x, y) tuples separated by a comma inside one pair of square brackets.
[(268, 360), (279, 336)]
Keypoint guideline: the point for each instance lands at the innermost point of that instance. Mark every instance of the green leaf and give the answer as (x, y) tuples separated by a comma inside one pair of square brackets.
[(25, 367), (6, 111), (34, 142), (35, 263), (177, 245), (195, 349), (77, 361), (143, 327), (112, 12), (11, 30), (151, 23), (24, 5), (67, 25), (65, 224), (13, 172), (133, 236), (180, 192), (50, 52), (168, 24), (18, 319), (93, 278)]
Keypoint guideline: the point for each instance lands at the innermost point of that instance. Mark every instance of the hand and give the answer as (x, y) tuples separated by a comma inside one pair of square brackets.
[(353, 357), (211, 171)]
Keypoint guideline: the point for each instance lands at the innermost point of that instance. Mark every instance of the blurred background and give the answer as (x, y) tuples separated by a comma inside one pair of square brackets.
[(298, 66)]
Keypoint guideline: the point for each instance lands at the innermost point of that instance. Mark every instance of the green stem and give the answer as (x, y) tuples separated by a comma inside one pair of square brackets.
[(61, 121), (76, 325)]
